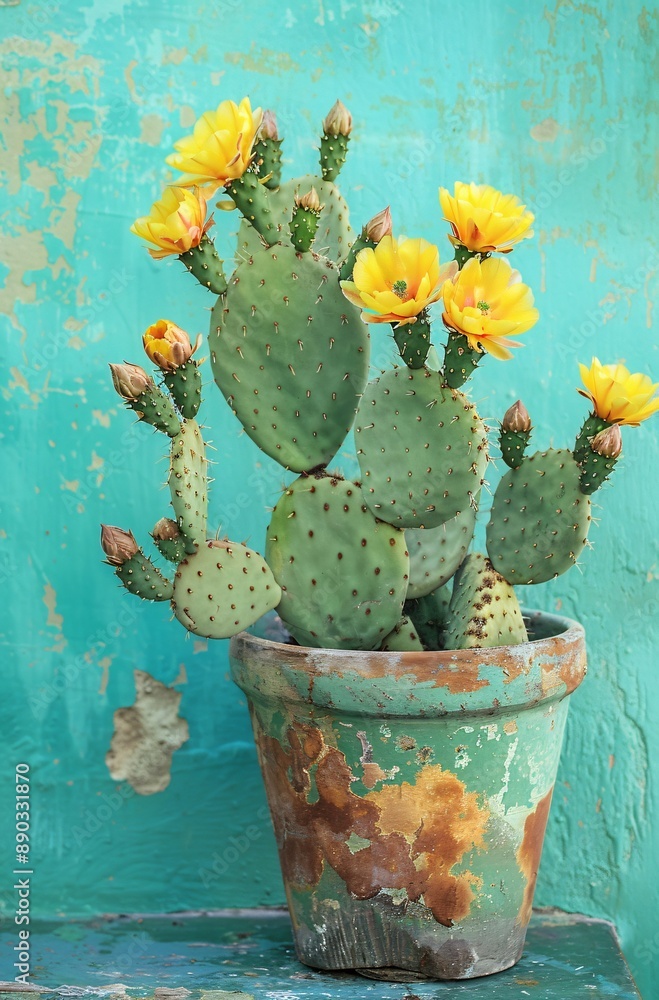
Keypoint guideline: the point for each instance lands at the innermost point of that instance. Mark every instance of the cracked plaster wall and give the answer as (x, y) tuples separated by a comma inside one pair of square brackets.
[(550, 100)]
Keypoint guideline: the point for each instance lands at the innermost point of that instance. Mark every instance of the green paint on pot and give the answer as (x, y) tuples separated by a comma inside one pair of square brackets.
[(410, 792)]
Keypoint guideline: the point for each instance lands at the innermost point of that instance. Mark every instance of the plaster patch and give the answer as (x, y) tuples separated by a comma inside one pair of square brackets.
[(146, 735)]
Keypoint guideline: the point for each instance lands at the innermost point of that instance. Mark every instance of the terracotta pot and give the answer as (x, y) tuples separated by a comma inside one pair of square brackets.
[(409, 794)]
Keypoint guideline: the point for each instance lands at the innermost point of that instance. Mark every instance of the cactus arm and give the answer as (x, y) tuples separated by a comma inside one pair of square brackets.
[(188, 484), (592, 425), (268, 158), (333, 152), (303, 227), (252, 199), (140, 577), (203, 261), (460, 360), (185, 386), (154, 407), (413, 341)]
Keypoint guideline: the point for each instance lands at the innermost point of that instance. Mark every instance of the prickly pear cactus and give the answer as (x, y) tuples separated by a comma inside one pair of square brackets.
[(368, 564), (422, 449), (540, 518), (484, 610), (436, 553), (223, 588), (290, 355), (334, 236), (343, 573), (188, 482)]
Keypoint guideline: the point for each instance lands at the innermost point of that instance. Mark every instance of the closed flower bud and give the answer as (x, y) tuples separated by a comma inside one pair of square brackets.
[(167, 345), (338, 120), (608, 443), (310, 201), (166, 530), (269, 126), (516, 418), (130, 381), (380, 225), (119, 545)]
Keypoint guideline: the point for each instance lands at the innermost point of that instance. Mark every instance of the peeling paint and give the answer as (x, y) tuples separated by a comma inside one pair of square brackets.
[(146, 735)]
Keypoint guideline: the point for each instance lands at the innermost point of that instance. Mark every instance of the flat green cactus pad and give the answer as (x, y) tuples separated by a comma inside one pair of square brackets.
[(430, 616), (484, 610), (404, 638), (436, 553), (334, 236), (540, 518), (223, 588), (422, 449), (290, 354), (343, 573)]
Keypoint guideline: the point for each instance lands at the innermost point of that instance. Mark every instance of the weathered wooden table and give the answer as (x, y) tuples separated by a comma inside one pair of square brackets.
[(251, 957)]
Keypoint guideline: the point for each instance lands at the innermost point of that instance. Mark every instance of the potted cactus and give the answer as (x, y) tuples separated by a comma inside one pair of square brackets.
[(408, 714)]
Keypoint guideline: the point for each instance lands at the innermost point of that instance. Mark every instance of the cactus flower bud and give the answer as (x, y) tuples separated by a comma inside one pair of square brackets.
[(119, 545), (608, 443), (516, 418), (310, 201), (166, 530), (338, 120), (130, 381), (269, 126), (380, 225), (167, 345)]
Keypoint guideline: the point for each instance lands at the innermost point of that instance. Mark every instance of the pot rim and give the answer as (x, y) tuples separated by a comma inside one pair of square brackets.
[(571, 632), (547, 668)]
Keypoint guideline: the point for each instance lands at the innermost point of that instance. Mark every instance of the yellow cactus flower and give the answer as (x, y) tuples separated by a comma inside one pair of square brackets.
[(617, 395), (220, 147), (176, 223), (396, 280), (167, 345), (483, 219), (488, 303)]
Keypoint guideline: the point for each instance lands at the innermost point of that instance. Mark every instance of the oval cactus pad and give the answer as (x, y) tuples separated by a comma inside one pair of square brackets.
[(540, 518), (436, 553), (290, 355), (343, 573), (222, 589), (422, 449)]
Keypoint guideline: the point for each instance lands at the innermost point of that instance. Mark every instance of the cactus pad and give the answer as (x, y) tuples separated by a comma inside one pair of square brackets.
[(185, 386), (223, 588), (422, 449), (343, 573), (404, 638), (540, 518), (484, 610), (290, 355), (334, 235), (188, 482), (140, 577), (436, 553), (430, 616)]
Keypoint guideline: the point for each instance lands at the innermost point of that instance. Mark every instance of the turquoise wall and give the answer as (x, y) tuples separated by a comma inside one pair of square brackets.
[(553, 102)]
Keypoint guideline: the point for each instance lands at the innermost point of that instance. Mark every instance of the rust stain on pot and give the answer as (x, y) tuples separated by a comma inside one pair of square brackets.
[(529, 851), (402, 848), (460, 680)]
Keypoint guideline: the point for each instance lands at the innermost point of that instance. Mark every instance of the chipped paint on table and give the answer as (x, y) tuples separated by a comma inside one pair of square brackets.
[(251, 957)]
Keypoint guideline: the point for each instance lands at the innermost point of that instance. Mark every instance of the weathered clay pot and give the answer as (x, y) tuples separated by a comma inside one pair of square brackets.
[(409, 794)]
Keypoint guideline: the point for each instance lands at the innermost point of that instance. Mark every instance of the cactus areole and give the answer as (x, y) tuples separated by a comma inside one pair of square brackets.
[(409, 715)]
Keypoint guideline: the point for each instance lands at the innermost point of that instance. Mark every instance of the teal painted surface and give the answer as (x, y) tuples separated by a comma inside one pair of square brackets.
[(252, 958), (554, 102)]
